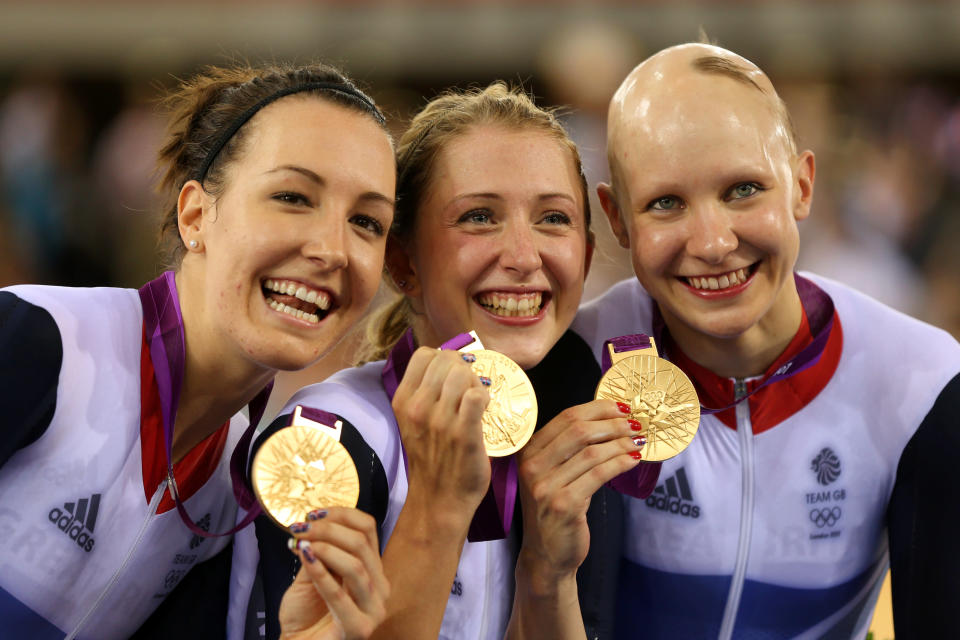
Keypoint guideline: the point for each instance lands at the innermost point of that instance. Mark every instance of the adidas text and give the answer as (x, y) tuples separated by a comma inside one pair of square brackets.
[(67, 523), (673, 505)]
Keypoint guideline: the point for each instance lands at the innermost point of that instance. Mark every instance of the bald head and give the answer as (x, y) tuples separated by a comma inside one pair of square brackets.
[(672, 87)]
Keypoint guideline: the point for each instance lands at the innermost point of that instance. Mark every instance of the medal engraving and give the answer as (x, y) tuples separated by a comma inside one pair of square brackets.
[(661, 398), (302, 468), (511, 416)]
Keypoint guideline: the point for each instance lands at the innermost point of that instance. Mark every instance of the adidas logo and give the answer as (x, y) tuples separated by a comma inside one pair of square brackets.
[(674, 496), (77, 520)]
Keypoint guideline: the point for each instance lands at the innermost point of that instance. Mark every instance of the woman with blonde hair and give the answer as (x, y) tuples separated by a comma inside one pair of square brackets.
[(491, 234)]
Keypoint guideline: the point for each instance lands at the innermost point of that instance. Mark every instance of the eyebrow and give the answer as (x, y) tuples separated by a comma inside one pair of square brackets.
[(315, 178), (497, 196)]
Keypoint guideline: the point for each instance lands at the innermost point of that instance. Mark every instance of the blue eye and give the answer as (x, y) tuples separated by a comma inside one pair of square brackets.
[(476, 216), (744, 190), (367, 223), (665, 203)]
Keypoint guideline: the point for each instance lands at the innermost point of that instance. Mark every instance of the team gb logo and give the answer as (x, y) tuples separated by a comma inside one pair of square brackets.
[(826, 465)]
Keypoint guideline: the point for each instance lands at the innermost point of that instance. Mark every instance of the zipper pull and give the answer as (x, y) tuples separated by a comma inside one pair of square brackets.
[(739, 389)]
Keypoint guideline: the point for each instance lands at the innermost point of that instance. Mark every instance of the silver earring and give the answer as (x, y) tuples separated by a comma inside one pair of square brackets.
[(193, 244)]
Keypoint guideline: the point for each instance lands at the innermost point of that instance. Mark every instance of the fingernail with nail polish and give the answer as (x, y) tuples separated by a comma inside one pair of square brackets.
[(307, 551), (635, 455), (299, 527), (485, 381), (639, 441), (624, 408), (635, 425), (468, 357), (316, 514)]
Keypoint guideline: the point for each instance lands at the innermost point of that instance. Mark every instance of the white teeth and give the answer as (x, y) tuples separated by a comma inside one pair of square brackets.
[(512, 305), (296, 313), (718, 282), (319, 298)]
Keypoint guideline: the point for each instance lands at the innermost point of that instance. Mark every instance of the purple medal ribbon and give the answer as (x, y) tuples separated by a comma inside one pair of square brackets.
[(820, 311), (494, 516), (640, 481), (163, 326), (319, 415)]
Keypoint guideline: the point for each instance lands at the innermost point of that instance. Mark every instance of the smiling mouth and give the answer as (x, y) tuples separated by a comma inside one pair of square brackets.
[(297, 300), (512, 305), (721, 281)]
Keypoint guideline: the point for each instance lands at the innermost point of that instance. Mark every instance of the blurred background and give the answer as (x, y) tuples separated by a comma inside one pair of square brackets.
[(873, 87)]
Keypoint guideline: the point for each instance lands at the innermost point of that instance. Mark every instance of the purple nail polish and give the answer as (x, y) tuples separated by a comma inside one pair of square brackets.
[(316, 514), (307, 551), (299, 527)]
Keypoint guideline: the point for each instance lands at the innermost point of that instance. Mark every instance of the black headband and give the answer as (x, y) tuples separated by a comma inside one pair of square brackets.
[(240, 120)]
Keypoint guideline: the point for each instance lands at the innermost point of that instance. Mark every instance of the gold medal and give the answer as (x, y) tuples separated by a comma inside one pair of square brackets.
[(661, 398), (304, 467), (511, 416)]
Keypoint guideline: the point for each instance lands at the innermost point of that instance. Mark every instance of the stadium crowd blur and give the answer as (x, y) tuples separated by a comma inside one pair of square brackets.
[(77, 154)]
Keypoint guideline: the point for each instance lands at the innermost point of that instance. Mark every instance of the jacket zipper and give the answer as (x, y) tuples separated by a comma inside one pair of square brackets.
[(486, 593), (745, 436), (154, 503)]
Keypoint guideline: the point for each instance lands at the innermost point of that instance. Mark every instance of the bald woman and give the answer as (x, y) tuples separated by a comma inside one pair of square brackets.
[(829, 430)]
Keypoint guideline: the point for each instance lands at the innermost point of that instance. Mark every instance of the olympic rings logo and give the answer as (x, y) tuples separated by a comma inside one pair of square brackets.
[(826, 517)]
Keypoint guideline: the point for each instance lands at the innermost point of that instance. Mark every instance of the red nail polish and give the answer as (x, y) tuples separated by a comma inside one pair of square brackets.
[(635, 425), (635, 455), (624, 408), (639, 441)]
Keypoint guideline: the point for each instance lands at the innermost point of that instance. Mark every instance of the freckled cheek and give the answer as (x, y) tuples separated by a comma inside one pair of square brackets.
[(468, 260)]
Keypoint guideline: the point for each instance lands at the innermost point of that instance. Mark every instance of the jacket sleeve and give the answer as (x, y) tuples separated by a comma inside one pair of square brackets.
[(31, 353), (922, 522)]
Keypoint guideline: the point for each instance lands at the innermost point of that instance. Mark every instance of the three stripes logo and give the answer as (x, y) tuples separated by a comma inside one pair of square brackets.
[(673, 496), (77, 519)]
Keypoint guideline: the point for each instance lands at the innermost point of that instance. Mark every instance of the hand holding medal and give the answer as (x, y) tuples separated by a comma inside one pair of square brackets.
[(659, 395), (511, 416), (304, 467)]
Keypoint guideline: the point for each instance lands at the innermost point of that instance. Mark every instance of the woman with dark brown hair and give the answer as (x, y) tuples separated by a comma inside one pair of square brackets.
[(123, 407)]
